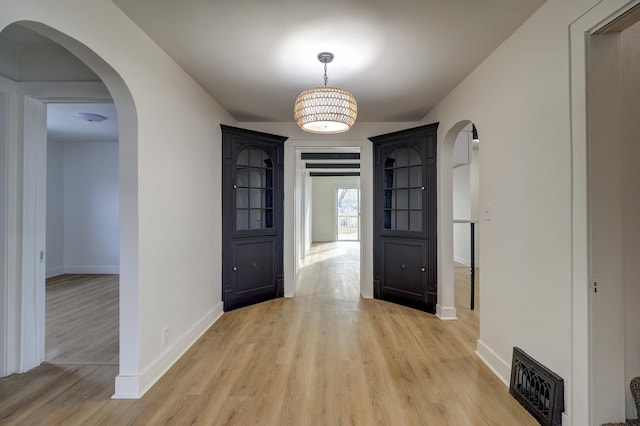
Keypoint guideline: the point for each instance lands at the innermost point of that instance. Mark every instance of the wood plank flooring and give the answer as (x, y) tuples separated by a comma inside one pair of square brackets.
[(82, 319), (325, 357)]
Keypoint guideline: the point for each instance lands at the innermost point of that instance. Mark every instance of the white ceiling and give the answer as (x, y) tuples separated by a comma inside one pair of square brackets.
[(398, 58), (64, 126)]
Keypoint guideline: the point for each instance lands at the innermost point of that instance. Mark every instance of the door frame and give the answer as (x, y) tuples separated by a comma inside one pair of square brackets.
[(36, 97), (581, 381), (294, 196)]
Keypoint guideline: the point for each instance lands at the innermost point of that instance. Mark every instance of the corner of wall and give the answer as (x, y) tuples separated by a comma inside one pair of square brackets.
[(496, 364), (54, 272), (134, 387), (446, 314)]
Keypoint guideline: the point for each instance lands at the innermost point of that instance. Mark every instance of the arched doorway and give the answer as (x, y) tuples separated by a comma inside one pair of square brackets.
[(23, 282), (466, 213), (458, 150)]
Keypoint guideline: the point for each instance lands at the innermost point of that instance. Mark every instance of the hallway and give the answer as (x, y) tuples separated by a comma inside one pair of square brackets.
[(324, 357)]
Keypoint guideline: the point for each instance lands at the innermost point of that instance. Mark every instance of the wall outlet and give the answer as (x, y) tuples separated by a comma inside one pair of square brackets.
[(165, 336)]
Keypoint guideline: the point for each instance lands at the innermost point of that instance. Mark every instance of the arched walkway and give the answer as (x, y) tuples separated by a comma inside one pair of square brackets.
[(26, 324)]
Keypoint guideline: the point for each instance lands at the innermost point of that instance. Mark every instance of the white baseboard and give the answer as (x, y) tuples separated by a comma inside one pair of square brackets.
[(54, 272), (91, 269), (127, 387), (465, 261), (134, 387), (446, 314), (496, 364)]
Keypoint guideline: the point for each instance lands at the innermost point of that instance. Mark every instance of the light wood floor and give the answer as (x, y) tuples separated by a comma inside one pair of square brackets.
[(82, 319), (462, 296), (325, 357)]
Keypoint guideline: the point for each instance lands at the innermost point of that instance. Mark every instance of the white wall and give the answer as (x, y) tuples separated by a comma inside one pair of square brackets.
[(91, 206), (82, 208), (526, 291), (324, 226), (55, 209), (465, 198), (170, 183), (474, 187), (41, 63), (462, 147), (308, 213), (462, 211)]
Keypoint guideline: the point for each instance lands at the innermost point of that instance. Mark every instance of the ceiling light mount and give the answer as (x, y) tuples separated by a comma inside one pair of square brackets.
[(325, 109), (91, 117), (325, 57)]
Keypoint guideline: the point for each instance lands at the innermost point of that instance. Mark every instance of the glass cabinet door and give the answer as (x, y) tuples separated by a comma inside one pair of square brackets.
[(403, 188), (254, 189)]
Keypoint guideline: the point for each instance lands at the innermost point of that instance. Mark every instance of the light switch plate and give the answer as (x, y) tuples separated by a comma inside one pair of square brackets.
[(486, 212)]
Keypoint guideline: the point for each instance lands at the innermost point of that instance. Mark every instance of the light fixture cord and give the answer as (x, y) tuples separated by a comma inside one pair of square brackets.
[(326, 79)]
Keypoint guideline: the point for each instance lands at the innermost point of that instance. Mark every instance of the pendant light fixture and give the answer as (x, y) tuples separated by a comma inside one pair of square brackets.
[(325, 109)]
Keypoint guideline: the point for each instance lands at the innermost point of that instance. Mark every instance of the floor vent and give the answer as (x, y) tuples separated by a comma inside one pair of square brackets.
[(537, 388)]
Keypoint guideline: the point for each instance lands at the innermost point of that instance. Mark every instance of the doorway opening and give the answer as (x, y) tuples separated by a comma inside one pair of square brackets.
[(86, 78), (327, 217), (82, 234), (466, 211), (348, 214), (613, 216)]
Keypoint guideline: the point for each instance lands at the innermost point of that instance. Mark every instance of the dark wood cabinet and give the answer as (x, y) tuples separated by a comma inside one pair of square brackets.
[(404, 248), (252, 217)]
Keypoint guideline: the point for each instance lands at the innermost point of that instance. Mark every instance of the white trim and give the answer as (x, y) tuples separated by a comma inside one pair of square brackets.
[(91, 269), (127, 387), (9, 350), (446, 288), (497, 365), (579, 383), (134, 387), (54, 272), (33, 233), (465, 261), (446, 314), (66, 91), (13, 223)]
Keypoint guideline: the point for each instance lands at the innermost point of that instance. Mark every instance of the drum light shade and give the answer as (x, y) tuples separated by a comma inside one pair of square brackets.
[(325, 109)]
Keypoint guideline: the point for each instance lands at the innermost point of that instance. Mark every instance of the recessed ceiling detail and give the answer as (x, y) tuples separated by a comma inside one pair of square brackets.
[(333, 174), (333, 165), (330, 156)]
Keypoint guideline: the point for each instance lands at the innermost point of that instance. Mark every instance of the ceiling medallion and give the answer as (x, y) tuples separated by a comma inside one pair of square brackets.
[(325, 109)]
